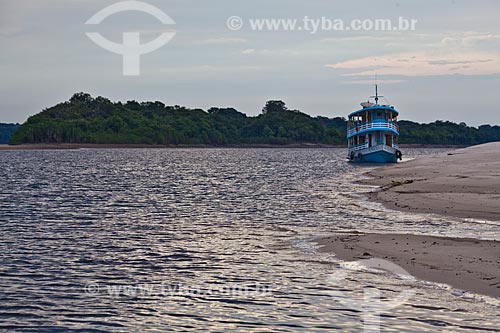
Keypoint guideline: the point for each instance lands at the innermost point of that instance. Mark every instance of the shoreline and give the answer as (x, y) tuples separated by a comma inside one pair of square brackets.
[(466, 264), (463, 183), (72, 146)]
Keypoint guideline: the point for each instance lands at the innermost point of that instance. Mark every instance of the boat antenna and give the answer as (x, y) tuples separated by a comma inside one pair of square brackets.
[(376, 95)]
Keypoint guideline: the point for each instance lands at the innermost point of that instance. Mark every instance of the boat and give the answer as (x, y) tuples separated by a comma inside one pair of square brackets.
[(373, 132)]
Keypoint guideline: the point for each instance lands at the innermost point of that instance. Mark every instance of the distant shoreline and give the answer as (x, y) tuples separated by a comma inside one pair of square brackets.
[(72, 146)]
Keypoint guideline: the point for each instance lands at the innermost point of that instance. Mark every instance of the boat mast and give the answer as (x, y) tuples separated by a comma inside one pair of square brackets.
[(377, 97)]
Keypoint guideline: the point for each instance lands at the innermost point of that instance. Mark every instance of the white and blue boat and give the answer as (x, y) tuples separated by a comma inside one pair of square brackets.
[(373, 132)]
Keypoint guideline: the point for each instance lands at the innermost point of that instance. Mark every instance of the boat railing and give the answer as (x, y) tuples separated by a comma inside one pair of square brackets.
[(395, 146), (360, 146), (388, 149), (372, 125), (367, 150)]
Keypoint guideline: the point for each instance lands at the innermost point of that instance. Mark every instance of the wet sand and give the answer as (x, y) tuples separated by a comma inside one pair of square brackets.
[(465, 264), (463, 183)]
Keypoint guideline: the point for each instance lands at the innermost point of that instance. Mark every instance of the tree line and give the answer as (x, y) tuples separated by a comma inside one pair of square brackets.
[(6, 132), (84, 119)]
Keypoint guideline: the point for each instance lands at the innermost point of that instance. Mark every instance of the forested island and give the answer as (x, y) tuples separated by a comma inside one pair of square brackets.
[(87, 120)]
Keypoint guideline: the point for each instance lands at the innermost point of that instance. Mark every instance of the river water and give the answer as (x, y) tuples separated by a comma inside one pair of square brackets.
[(206, 240)]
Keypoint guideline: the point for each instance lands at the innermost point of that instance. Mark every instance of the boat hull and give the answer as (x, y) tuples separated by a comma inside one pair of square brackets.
[(375, 156)]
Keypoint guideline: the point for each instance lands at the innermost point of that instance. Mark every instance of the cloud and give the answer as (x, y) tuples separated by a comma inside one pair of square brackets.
[(422, 64), (12, 17), (19, 17), (248, 51), (469, 39), (364, 82), (204, 69), (357, 39), (297, 53), (224, 40)]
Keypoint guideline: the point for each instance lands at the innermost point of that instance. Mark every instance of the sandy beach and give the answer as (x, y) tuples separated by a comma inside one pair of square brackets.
[(463, 183), (465, 264)]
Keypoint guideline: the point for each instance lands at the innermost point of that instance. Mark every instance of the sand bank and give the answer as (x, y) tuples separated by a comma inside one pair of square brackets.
[(466, 264), (463, 183)]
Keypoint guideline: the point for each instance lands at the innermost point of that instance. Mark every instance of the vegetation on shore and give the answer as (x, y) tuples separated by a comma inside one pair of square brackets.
[(88, 120), (84, 119), (6, 132)]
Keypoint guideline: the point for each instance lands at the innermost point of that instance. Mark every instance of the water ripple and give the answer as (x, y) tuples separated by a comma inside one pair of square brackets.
[(181, 227)]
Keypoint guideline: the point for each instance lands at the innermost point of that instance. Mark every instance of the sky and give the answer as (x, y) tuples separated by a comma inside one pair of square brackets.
[(447, 68)]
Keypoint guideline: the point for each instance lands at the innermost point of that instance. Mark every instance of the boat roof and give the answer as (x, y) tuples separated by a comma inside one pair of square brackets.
[(368, 106), (375, 107)]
